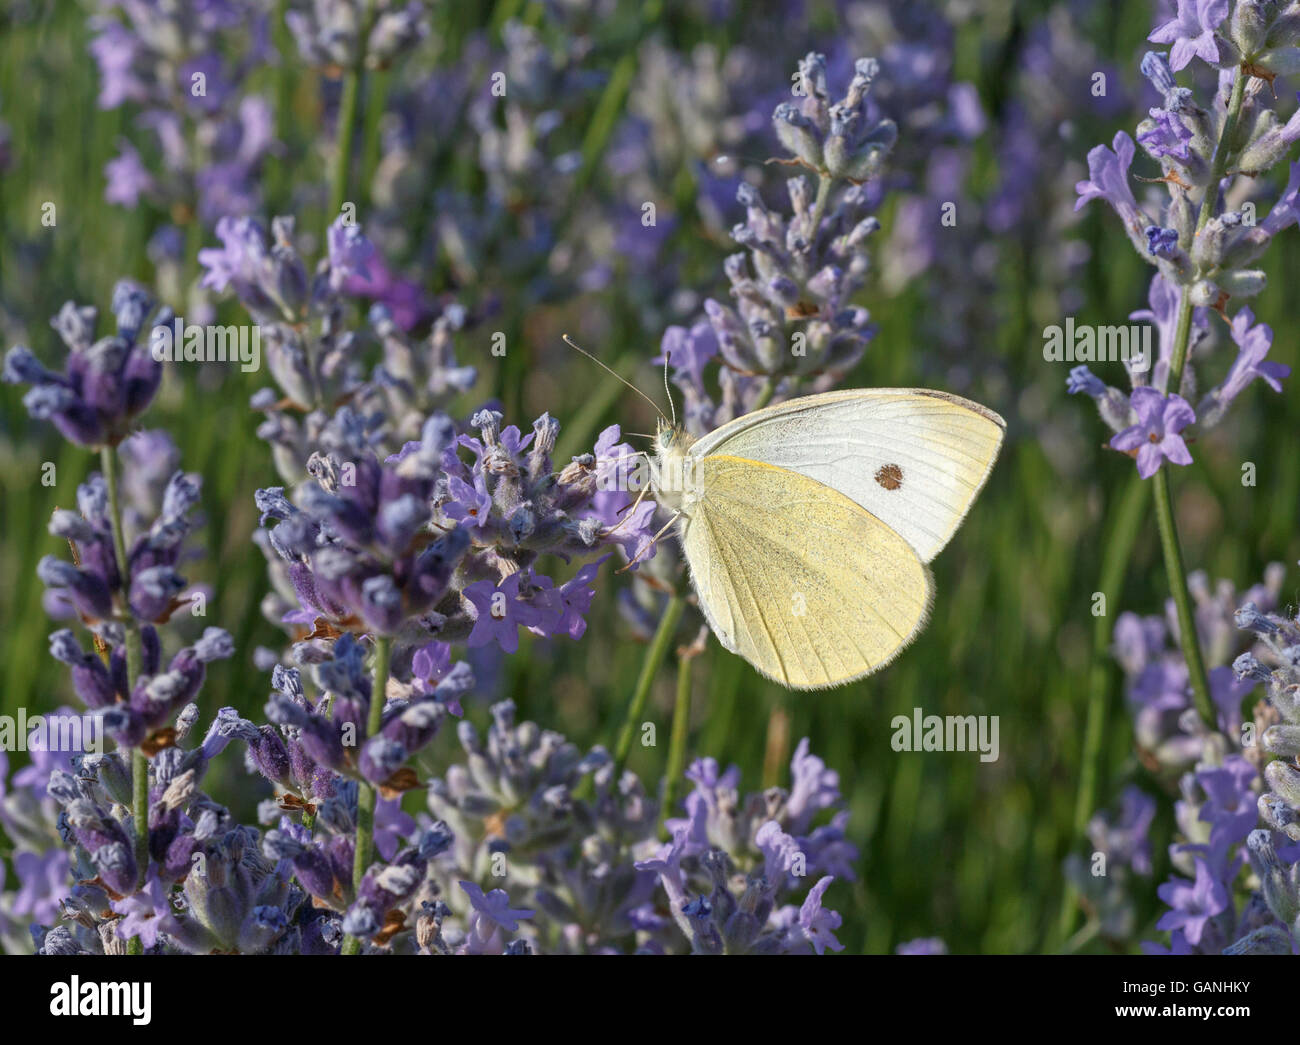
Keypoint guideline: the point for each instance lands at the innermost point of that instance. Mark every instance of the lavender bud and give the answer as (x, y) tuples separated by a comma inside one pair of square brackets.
[(58, 941), (88, 592), (1267, 939), (1155, 67), (131, 306), (1247, 666), (216, 644), (436, 840), (1279, 886), (798, 134), (76, 325), (361, 922), (1249, 618), (152, 591), (1250, 23), (1284, 778), (1282, 740), (116, 867), (1242, 283), (1277, 814), (112, 776), (21, 367)]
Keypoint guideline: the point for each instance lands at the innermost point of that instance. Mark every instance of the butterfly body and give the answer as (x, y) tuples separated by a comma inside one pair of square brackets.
[(670, 470)]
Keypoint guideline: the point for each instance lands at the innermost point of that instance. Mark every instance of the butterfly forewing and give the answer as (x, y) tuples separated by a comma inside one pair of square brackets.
[(913, 458)]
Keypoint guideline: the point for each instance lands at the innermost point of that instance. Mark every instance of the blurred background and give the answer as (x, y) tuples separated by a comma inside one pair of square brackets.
[(529, 215)]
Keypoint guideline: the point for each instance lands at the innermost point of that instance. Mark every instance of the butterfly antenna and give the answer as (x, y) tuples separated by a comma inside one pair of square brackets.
[(610, 370), (668, 391)]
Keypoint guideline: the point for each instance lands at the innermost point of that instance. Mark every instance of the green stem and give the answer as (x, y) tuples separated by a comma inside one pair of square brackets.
[(1219, 164), (1125, 526), (1182, 338), (1177, 573), (654, 656), (139, 764), (1120, 546), (677, 743), (366, 793), (347, 119), (1165, 521), (371, 137), (764, 395), (1083, 937), (1169, 542)]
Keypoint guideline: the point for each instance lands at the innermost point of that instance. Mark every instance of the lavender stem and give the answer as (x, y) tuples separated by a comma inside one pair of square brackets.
[(139, 764), (366, 793)]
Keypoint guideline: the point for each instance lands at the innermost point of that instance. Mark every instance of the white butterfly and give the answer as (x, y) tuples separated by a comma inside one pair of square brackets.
[(807, 526)]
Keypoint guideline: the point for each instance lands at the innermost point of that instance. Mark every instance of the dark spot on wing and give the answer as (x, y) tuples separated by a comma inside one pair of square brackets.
[(890, 476)]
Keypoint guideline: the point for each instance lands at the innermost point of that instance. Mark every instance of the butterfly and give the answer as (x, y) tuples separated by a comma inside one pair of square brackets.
[(808, 526)]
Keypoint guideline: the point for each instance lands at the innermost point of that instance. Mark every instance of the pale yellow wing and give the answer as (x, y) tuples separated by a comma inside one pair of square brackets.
[(809, 587)]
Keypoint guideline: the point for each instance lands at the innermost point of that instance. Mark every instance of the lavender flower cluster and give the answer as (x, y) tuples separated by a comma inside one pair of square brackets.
[(794, 318), (1234, 887), (1205, 239)]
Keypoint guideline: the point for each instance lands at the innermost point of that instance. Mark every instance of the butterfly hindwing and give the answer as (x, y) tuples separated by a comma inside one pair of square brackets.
[(795, 577)]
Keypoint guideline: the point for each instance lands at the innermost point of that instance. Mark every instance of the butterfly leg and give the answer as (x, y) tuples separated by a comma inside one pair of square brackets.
[(627, 511), (652, 542)]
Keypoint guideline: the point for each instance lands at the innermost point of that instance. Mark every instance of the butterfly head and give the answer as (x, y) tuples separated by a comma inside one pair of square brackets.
[(671, 467), (671, 439)]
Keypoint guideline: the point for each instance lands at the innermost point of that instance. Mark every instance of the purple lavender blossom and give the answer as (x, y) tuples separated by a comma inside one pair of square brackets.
[(1192, 32), (492, 917), (44, 883), (1108, 173), (145, 913), (1230, 806), (1167, 135), (1162, 313), (499, 613), (1253, 341), (1192, 903), (1154, 438), (1124, 837), (815, 925), (106, 384)]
